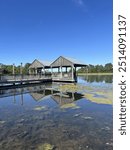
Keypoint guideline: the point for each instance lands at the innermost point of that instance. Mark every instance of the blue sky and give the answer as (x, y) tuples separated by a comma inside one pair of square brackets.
[(46, 29)]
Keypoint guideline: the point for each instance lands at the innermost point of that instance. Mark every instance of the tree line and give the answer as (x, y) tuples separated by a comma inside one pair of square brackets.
[(107, 68), (8, 69)]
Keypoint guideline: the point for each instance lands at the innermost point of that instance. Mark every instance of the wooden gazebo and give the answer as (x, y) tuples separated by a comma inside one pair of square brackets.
[(39, 67), (64, 69)]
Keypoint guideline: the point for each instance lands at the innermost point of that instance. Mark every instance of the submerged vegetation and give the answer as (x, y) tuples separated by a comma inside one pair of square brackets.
[(94, 94), (102, 99), (73, 88), (70, 105), (2, 121), (40, 108), (46, 146)]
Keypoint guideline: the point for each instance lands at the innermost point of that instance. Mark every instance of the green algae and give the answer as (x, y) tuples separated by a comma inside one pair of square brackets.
[(38, 108), (87, 118), (2, 121), (46, 146), (70, 105), (73, 88), (101, 99), (98, 94)]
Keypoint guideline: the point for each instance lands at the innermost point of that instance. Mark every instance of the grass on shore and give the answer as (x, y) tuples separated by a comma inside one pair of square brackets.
[(94, 73)]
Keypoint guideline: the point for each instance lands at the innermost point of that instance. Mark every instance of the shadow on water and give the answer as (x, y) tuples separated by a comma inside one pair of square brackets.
[(46, 118)]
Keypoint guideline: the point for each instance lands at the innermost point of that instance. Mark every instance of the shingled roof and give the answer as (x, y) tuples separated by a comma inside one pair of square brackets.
[(40, 64), (67, 61)]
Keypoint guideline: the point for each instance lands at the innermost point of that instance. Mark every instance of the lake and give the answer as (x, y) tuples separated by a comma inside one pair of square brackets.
[(58, 116)]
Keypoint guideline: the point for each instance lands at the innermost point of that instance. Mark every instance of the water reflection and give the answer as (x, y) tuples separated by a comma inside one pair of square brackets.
[(42, 117), (97, 78), (39, 93)]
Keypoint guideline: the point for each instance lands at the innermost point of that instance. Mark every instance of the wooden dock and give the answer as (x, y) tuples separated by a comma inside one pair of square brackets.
[(6, 81), (21, 80), (63, 69)]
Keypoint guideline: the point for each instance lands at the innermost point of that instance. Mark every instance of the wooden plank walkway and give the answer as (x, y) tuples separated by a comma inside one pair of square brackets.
[(22, 81), (19, 80)]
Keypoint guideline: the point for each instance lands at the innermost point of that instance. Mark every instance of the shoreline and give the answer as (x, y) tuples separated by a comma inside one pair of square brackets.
[(94, 74)]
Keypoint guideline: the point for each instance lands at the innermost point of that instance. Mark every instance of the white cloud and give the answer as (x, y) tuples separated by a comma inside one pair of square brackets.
[(79, 2)]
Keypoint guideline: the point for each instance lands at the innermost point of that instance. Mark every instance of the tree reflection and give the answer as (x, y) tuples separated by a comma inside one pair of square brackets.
[(98, 78)]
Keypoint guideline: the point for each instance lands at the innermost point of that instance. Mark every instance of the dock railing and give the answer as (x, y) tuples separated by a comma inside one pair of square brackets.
[(23, 77)]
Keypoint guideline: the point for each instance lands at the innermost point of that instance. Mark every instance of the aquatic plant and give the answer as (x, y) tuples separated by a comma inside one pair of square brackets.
[(73, 88), (2, 121), (95, 94), (87, 118), (70, 105), (46, 146), (101, 99), (40, 108)]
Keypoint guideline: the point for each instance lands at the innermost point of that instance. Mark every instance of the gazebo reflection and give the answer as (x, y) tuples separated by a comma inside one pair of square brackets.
[(39, 93)]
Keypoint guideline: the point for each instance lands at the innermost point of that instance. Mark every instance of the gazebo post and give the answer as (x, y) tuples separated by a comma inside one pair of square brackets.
[(61, 72), (66, 70), (35, 71), (75, 76), (86, 70), (58, 69), (72, 73), (44, 71), (75, 71), (51, 71)]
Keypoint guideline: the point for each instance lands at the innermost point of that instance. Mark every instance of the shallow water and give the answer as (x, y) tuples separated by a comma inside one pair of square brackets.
[(43, 117)]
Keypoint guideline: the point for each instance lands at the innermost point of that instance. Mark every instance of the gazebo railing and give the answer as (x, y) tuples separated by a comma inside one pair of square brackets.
[(62, 76)]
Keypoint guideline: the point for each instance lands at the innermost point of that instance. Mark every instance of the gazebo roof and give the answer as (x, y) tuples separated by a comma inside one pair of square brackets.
[(67, 61), (40, 95), (40, 64)]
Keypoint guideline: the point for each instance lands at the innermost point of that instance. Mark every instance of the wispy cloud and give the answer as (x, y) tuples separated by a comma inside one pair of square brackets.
[(79, 2)]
